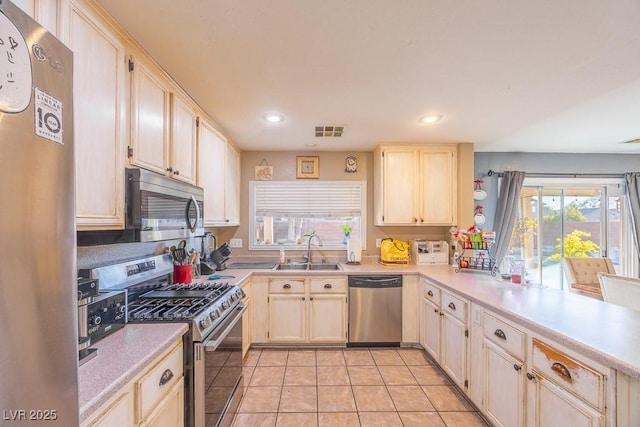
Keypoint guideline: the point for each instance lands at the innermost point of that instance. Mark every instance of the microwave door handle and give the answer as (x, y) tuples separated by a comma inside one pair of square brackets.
[(195, 223)]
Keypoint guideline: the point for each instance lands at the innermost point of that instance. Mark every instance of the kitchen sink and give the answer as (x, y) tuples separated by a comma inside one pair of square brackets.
[(322, 267)]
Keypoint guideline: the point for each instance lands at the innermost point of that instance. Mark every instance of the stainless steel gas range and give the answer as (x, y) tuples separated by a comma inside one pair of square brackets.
[(213, 345)]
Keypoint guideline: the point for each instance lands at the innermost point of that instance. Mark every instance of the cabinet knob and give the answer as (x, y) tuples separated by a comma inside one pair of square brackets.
[(286, 286), (435, 310), (452, 306), (531, 376), (169, 169), (415, 219), (303, 298), (176, 172), (310, 298), (421, 219), (166, 377), (328, 286), (430, 293), (517, 367), (500, 334)]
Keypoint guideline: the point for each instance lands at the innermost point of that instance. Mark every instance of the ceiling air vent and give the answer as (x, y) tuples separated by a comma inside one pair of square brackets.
[(329, 131)]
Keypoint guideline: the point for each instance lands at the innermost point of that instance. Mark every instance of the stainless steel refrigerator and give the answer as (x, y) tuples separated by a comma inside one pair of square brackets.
[(38, 314)]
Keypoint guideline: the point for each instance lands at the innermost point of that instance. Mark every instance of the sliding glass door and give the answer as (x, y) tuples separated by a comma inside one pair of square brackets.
[(571, 220)]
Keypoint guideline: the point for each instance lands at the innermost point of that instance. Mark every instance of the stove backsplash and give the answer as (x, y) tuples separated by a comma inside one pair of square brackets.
[(94, 256)]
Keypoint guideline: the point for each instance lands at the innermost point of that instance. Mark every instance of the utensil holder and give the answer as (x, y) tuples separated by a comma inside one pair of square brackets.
[(182, 274)]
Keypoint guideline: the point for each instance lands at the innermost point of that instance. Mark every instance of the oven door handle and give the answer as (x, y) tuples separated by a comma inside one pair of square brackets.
[(214, 344)]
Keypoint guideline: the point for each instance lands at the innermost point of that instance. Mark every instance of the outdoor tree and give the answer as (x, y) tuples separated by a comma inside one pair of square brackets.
[(572, 213), (575, 246)]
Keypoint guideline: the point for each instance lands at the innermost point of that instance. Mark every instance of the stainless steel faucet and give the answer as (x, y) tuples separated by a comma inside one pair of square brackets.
[(308, 255)]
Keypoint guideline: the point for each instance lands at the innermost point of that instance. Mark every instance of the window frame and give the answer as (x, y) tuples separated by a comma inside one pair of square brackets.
[(254, 185)]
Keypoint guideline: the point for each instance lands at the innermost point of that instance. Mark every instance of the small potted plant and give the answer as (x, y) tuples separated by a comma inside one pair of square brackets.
[(347, 232)]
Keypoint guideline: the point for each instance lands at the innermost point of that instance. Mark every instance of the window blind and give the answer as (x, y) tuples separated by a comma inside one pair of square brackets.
[(309, 198)]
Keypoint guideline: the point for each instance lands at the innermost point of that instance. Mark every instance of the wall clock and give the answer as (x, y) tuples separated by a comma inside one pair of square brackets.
[(351, 164)]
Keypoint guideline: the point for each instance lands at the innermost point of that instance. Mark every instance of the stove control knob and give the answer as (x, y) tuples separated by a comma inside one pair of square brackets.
[(204, 323), (95, 320), (122, 309), (225, 305), (234, 297)]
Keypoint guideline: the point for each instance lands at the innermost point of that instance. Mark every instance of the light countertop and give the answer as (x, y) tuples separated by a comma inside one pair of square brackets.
[(121, 356), (606, 333)]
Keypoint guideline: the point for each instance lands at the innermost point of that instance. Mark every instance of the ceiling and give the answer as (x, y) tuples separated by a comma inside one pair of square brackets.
[(526, 76)]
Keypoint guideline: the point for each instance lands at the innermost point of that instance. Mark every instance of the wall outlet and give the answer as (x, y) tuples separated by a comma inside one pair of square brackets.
[(235, 243), (378, 243)]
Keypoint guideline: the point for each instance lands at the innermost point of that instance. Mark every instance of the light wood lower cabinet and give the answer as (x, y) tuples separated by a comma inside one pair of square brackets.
[(525, 380), (444, 331), (299, 310), (153, 398), (246, 318)]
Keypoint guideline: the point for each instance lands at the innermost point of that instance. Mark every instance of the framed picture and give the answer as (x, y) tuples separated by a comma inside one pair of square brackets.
[(263, 173), (308, 167)]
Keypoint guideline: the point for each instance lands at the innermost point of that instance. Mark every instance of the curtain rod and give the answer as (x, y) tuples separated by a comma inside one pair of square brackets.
[(560, 175)]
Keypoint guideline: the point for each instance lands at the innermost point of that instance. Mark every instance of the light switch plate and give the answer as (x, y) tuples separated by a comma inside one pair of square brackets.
[(378, 243), (235, 243)]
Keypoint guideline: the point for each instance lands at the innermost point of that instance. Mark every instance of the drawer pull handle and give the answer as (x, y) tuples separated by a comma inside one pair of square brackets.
[(286, 286), (500, 334), (166, 377), (452, 306), (561, 370), (430, 293), (328, 286)]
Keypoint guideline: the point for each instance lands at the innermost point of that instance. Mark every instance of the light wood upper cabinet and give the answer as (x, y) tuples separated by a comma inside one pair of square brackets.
[(163, 124), (43, 11), (415, 185), (99, 92), (150, 108), (219, 176), (184, 121)]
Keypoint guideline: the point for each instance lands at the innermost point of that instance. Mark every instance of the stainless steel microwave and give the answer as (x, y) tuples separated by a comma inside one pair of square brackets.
[(161, 208)]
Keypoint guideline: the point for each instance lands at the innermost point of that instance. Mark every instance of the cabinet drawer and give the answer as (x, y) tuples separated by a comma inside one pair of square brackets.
[(432, 292), (454, 306), (158, 381), (329, 286), (287, 286), (569, 373), (504, 335)]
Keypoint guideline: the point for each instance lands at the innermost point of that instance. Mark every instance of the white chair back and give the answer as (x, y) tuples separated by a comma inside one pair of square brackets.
[(620, 290)]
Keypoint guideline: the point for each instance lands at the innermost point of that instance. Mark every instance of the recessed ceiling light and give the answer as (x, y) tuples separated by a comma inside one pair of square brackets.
[(273, 118), (431, 118)]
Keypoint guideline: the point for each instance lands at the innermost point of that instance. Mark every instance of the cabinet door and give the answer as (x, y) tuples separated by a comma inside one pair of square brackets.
[(328, 318), (430, 328), (400, 191), (98, 95), (454, 349), (170, 411), (287, 318), (120, 413), (183, 140), (437, 187), (504, 387), (43, 11), (149, 118), (246, 327), (551, 406), (232, 187), (212, 148)]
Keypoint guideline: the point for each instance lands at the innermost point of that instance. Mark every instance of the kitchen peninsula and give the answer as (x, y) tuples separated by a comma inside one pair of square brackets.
[(594, 343)]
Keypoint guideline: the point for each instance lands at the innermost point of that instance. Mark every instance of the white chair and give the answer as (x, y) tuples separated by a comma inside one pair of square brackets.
[(620, 290), (582, 273)]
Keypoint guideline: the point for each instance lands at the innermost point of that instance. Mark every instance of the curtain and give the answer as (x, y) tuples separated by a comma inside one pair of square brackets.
[(632, 193), (506, 213)]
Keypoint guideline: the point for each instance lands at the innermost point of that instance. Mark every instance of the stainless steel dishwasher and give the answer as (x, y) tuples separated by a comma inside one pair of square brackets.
[(375, 310)]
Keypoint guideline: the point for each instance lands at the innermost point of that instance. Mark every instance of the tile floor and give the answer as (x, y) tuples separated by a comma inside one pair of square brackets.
[(350, 387)]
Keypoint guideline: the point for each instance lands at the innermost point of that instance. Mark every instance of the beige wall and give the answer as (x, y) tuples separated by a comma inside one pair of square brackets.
[(332, 168)]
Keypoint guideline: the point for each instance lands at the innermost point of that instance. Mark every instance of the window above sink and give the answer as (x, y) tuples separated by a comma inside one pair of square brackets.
[(284, 213)]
